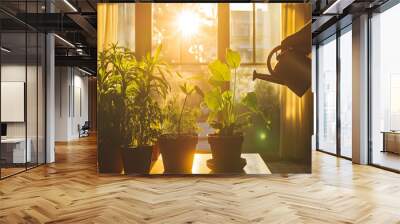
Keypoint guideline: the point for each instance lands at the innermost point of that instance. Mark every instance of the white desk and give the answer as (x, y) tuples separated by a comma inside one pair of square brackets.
[(16, 147)]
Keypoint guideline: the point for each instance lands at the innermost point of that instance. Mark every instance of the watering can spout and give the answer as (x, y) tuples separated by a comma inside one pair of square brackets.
[(267, 77)]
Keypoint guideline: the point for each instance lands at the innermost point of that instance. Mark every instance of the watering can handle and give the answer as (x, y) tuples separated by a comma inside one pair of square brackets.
[(269, 66)]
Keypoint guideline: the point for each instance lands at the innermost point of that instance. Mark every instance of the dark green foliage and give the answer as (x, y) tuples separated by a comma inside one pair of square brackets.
[(116, 69), (128, 94), (180, 119), (150, 86), (173, 116)]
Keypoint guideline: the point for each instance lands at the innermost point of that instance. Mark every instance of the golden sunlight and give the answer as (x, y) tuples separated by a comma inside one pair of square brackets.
[(188, 23)]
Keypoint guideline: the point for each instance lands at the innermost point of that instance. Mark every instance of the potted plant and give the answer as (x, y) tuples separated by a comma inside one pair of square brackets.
[(178, 143), (224, 116), (148, 87), (116, 66)]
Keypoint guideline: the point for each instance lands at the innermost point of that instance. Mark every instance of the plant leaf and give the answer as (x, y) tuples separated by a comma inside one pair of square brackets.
[(183, 88), (213, 100), (158, 51), (199, 91), (250, 101), (232, 58), (220, 72)]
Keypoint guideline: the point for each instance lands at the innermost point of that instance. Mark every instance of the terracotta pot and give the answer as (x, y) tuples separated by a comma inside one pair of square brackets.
[(137, 160), (225, 149), (178, 152)]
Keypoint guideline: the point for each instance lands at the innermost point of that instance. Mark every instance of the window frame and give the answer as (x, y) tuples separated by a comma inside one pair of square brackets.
[(334, 37), (223, 16)]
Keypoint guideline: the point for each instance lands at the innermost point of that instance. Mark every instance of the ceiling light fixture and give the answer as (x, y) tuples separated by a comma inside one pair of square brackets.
[(84, 71), (65, 41), (337, 7), (5, 50), (70, 5)]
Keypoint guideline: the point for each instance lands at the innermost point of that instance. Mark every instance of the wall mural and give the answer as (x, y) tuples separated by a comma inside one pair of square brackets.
[(204, 88)]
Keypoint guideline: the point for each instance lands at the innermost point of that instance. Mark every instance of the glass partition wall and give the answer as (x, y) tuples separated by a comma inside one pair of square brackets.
[(334, 94), (22, 87), (327, 96), (385, 89)]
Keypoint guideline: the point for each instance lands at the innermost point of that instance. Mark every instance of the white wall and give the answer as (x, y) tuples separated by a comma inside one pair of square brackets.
[(33, 127), (71, 102), (15, 73), (62, 82)]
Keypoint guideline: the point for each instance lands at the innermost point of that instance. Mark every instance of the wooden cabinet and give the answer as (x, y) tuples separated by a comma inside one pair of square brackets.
[(391, 142)]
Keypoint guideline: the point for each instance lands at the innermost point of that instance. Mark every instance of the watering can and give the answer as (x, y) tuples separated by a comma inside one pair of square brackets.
[(293, 68)]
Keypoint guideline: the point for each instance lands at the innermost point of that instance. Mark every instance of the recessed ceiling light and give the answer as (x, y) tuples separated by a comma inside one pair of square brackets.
[(65, 41), (70, 5), (337, 7), (5, 50), (84, 71)]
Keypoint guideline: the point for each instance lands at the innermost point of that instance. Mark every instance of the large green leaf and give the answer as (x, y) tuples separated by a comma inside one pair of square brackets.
[(220, 72), (213, 99), (232, 58)]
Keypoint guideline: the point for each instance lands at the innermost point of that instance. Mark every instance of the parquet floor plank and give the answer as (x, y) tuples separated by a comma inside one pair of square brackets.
[(71, 191)]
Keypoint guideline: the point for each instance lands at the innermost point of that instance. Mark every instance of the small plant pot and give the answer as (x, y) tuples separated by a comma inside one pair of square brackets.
[(137, 160), (178, 152), (226, 151), (109, 159)]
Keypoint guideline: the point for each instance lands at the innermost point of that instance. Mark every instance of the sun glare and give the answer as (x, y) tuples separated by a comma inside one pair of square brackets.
[(188, 23)]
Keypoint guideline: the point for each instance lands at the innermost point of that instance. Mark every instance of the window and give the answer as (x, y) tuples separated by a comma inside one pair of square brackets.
[(253, 30), (334, 94), (186, 21), (385, 89), (327, 96), (188, 35), (346, 94), (126, 25), (241, 30)]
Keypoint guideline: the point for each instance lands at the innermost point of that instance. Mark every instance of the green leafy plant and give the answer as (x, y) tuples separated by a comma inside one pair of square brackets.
[(222, 102), (178, 118), (129, 92), (149, 87), (117, 67), (188, 90)]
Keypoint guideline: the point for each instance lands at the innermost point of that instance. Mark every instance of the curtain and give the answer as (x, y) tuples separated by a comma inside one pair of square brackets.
[(115, 24), (296, 112)]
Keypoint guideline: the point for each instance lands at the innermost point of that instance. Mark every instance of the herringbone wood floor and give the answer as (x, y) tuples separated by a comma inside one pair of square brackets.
[(70, 191)]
